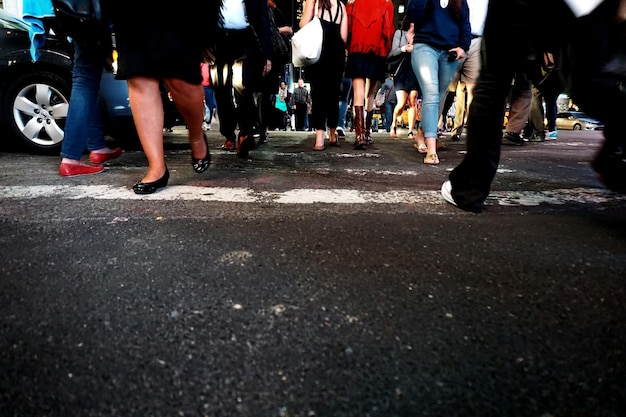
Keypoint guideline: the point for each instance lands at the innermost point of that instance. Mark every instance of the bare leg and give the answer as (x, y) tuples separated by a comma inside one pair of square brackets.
[(371, 87), (397, 111), (189, 100), (412, 101), (145, 100)]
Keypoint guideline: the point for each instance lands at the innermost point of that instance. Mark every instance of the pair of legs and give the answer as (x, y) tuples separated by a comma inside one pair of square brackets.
[(363, 88), (511, 29), (434, 73), (468, 70), (145, 100), (405, 98), (83, 127)]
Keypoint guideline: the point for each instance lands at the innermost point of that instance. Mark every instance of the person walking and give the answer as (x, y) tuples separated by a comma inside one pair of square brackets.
[(271, 81), (371, 28), (326, 73), (406, 86), (441, 35), (301, 104), (161, 44), (468, 68), (242, 53), (595, 48), (209, 95), (83, 125)]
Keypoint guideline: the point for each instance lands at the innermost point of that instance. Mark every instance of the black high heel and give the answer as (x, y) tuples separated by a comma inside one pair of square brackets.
[(202, 164), (150, 187)]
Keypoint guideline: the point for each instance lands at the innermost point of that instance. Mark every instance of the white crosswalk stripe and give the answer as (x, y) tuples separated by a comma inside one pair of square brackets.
[(305, 196)]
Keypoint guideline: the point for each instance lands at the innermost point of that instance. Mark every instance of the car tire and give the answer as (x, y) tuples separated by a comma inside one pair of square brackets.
[(577, 127), (34, 110)]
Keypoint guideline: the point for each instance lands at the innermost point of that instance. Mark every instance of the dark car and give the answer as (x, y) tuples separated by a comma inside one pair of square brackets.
[(34, 95)]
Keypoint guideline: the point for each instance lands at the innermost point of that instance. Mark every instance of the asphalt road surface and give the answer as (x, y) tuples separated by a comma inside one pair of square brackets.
[(300, 283)]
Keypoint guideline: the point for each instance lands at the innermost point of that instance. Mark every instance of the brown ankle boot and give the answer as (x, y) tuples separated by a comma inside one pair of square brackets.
[(367, 135), (359, 139)]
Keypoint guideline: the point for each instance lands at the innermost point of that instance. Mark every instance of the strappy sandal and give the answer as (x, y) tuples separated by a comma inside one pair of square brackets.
[(431, 159), (422, 148), (410, 135), (394, 133)]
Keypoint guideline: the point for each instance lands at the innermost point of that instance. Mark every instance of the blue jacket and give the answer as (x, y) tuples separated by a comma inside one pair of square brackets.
[(437, 27), (35, 11)]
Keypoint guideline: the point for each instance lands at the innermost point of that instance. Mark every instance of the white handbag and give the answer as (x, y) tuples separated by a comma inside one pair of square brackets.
[(306, 43)]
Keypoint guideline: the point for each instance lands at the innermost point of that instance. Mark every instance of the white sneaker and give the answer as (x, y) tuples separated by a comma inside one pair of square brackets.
[(206, 126), (340, 131), (446, 192)]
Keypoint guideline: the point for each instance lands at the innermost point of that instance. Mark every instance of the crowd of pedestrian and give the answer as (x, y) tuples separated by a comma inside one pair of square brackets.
[(486, 54)]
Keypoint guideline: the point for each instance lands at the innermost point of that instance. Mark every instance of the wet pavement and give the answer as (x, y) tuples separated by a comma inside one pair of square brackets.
[(306, 283)]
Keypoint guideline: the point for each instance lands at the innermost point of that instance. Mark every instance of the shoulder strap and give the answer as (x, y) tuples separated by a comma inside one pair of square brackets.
[(339, 12)]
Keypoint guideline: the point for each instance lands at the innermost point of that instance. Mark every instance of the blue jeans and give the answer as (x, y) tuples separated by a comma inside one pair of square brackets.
[(388, 114), (209, 102), (83, 127), (434, 73), (343, 108)]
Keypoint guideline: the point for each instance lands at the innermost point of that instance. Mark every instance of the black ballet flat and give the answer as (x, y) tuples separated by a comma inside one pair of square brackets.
[(151, 187), (201, 165)]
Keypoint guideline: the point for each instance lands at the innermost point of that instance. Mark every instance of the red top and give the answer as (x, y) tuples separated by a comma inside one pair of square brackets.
[(370, 26), (206, 78)]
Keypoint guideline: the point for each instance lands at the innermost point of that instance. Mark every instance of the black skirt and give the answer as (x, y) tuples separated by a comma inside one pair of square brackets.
[(405, 79), (147, 48), (372, 66)]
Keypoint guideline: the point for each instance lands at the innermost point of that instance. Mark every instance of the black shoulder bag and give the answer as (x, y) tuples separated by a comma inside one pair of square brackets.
[(83, 21)]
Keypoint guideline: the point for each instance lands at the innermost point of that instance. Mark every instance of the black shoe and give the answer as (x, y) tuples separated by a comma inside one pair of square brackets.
[(201, 165), (610, 165), (514, 139), (151, 187), (455, 138), (244, 145), (263, 138)]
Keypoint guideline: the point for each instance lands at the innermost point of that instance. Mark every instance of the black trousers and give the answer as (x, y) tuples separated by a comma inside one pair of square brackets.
[(514, 29), (234, 97), (300, 115)]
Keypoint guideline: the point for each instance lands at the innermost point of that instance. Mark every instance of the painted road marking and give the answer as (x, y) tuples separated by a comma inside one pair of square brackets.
[(305, 195)]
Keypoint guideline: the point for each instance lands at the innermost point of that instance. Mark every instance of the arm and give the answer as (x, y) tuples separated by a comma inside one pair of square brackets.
[(397, 46), (388, 24), (308, 11), (343, 29)]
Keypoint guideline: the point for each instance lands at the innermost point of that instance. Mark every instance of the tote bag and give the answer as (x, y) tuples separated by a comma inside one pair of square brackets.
[(306, 44)]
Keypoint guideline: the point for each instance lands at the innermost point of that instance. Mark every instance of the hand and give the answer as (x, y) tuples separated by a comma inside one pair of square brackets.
[(267, 68), (460, 52), (285, 30)]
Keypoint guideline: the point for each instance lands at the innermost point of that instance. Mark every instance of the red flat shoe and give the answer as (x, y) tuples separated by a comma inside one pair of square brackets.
[(101, 157), (70, 170)]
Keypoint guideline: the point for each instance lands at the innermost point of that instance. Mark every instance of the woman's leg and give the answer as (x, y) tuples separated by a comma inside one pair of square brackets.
[(189, 100), (147, 108), (412, 103), (84, 125), (433, 73), (401, 96), (358, 93)]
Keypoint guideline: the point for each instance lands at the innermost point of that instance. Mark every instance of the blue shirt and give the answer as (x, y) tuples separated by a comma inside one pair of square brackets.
[(436, 26)]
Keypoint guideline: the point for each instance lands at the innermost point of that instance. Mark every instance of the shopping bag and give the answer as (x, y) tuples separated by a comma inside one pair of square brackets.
[(306, 43)]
